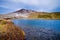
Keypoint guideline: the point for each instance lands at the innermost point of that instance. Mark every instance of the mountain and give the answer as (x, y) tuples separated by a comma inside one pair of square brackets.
[(24, 11), (30, 14)]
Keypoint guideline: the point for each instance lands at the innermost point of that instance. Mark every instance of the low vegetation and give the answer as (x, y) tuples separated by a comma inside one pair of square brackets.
[(8, 31), (45, 15)]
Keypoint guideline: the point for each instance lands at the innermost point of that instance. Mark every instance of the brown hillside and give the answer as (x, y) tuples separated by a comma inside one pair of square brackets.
[(8, 31)]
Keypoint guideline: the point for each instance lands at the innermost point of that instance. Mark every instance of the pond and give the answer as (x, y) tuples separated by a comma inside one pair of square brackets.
[(38, 29), (51, 24)]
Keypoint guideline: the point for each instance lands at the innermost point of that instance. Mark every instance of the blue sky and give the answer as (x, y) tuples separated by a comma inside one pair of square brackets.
[(7, 6)]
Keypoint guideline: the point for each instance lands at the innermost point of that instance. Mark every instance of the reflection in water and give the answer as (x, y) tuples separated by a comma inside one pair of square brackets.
[(40, 29), (51, 24)]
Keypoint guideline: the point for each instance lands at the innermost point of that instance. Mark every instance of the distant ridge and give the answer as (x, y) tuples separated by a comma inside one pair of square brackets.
[(30, 14), (24, 11)]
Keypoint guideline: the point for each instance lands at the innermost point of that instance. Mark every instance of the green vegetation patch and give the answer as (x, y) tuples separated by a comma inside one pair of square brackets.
[(2, 26)]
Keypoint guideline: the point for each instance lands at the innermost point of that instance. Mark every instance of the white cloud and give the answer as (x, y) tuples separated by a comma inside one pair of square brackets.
[(9, 7), (29, 2), (40, 5)]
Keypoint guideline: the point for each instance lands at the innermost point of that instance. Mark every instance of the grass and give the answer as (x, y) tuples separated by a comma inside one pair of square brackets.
[(8, 31), (45, 15)]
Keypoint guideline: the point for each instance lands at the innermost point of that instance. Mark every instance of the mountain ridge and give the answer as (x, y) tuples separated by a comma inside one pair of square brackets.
[(30, 14)]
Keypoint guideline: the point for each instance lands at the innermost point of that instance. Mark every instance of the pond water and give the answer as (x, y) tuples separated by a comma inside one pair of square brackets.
[(50, 24)]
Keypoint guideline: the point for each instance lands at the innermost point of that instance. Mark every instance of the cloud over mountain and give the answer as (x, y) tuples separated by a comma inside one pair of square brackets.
[(38, 5)]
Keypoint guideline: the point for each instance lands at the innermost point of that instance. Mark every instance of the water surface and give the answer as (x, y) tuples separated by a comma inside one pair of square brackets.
[(50, 24)]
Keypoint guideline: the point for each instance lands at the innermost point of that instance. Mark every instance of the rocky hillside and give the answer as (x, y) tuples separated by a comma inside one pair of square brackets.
[(30, 14), (8, 31)]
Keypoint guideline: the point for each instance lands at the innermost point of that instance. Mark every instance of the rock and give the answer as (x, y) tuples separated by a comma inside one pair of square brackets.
[(8, 31)]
